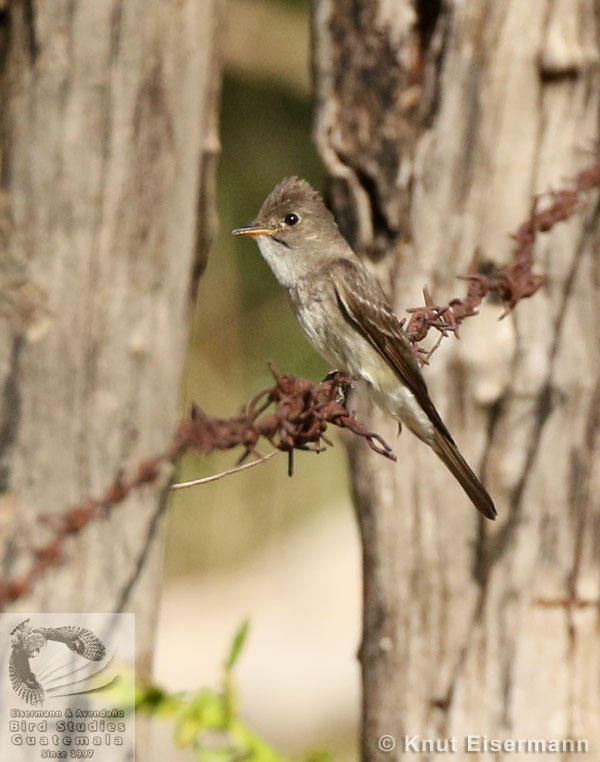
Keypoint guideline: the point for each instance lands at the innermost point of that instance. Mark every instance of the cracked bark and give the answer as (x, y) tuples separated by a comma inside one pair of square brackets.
[(107, 144), (437, 122)]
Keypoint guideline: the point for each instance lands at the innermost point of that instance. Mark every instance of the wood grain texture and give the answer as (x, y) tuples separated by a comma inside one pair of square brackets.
[(108, 144), (437, 122)]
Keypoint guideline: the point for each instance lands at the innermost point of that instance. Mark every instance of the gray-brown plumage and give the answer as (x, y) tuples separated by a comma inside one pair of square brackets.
[(348, 319)]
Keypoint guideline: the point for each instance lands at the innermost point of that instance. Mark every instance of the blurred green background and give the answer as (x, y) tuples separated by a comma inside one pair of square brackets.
[(281, 551), (242, 319)]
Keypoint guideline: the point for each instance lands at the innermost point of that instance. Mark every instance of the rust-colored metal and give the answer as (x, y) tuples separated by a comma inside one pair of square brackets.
[(294, 413), (513, 282)]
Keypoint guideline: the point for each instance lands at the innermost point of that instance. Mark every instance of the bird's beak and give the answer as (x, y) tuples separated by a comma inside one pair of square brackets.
[(254, 230)]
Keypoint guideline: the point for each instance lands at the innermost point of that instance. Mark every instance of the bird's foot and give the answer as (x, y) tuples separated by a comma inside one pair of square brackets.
[(343, 384)]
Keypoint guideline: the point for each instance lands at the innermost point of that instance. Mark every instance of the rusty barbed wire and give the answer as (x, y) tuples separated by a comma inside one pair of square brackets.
[(293, 414), (72, 522), (301, 413), (512, 282)]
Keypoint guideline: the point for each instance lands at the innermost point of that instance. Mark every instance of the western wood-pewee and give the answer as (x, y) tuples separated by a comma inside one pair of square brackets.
[(348, 319)]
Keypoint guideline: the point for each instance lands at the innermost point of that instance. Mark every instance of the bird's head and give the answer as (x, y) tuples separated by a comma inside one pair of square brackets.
[(294, 230)]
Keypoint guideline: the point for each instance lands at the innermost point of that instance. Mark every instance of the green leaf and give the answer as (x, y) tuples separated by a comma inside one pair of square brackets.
[(152, 699), (205, 711), (187, 730), (237, 644), (318, 756), (217, 755), (252, 746), (209, 707), (208, 722)]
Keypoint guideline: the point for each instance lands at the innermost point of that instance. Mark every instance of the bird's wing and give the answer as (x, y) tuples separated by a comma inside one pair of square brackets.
[(365, 307), (23, 680), (78, 639)]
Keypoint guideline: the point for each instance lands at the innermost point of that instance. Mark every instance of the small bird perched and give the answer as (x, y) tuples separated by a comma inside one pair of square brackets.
[(348, 319)]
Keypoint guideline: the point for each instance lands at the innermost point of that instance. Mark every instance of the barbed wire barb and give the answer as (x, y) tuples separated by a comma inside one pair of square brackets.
[(294, 413)]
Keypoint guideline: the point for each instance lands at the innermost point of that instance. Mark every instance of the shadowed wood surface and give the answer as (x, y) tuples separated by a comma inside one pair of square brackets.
[(437, 123), (107, 145)]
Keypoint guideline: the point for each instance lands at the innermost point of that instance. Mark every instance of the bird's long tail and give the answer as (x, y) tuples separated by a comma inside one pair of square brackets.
[(448, 452)]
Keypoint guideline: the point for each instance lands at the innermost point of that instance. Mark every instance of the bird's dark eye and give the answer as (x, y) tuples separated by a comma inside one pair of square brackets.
[(291, 219)]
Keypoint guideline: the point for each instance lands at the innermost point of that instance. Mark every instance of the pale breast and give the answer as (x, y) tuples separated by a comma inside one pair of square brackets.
[(323, 325), (326, 328)]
